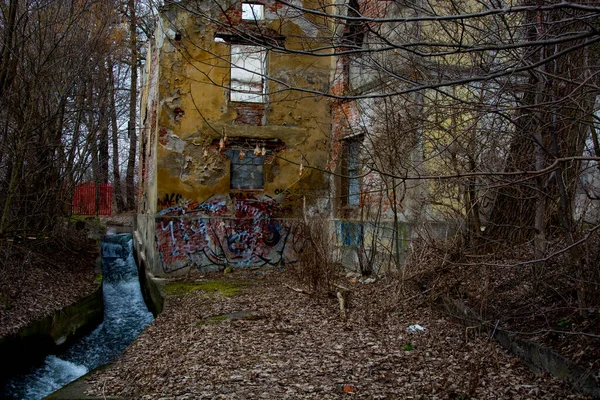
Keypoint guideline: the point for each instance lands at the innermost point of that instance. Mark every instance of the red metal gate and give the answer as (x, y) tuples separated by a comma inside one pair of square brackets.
[(90, 198)]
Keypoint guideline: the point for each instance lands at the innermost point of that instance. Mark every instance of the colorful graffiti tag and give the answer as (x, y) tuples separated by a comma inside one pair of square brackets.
[(238, 231)]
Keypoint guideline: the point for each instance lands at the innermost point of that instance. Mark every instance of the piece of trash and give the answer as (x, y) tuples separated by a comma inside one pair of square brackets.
[(346, 387), (416, 328), (368, 281)]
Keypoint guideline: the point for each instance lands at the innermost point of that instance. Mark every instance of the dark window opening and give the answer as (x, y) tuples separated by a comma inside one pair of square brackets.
[(351, 172), (248, 157), (354, 32), (247, 170)]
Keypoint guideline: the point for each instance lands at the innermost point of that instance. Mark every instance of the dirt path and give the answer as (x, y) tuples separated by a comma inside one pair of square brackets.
[(269, 341)]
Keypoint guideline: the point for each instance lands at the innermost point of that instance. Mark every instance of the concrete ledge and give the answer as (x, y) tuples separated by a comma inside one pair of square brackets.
[(537, 357), (42, 337), (149, 285), (76, 390)]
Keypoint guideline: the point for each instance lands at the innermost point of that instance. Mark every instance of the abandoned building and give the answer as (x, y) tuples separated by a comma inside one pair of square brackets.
[(230, 156), (239, 144)]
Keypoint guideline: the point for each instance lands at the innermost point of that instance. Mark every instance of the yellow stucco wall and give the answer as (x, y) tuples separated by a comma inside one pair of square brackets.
[(194, 78), (197, 220)]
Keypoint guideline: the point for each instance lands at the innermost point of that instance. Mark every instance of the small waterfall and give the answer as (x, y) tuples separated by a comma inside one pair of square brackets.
[(111, 250), (125, 316)]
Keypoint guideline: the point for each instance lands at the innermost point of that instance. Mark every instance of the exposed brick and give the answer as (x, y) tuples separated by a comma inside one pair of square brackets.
[(249, 114), (162, 136)]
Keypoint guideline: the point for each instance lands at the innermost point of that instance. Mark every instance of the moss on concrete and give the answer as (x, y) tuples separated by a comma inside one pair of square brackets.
[(223, 287), (213, 320), (91, 222), (237, 315)]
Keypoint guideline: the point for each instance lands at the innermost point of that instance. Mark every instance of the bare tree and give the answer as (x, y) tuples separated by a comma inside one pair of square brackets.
[(54, 106), (131, 128)]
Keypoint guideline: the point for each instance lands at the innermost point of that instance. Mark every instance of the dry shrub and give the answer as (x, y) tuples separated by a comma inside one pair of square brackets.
[(591, 278), (318, 267), (506, 284), (431, 266)]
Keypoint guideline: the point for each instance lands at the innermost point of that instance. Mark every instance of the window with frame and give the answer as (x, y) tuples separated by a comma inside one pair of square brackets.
[(351, 184), (247, 170), (248, 69), (253, 12)]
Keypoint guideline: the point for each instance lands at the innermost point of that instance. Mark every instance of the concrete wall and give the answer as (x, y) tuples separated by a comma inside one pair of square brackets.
[(379, 247), (189, 216)]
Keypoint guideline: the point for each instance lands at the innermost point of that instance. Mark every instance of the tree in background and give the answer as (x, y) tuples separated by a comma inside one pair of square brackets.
[(55, 105), (131, 127)]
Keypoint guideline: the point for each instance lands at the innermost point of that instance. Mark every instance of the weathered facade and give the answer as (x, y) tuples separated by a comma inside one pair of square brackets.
[(258, 115), (230, 153)]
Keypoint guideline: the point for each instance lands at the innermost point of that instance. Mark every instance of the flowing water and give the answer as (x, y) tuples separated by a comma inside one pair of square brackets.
[(125, 316)]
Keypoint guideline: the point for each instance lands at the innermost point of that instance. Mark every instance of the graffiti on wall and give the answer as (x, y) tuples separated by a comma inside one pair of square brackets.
[(225, 230), (349, 233)]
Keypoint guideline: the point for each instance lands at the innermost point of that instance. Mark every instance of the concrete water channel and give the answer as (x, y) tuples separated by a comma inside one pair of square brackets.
[(125, 317)]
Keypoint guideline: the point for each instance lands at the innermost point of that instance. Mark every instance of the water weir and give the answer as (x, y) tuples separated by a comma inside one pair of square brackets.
[(125, 316)]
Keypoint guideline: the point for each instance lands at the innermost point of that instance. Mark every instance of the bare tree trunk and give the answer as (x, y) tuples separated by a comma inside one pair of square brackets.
[(12, 186), (7, 56), (79, 105), (394, 201), (132, 107), (115, 144), (103, 127), (551, 119), (540, 201)]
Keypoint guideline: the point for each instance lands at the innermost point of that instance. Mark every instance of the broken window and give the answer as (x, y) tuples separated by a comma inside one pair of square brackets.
[(253, 12), (246, 170), (351, 171), (354, 31), (248, 68)]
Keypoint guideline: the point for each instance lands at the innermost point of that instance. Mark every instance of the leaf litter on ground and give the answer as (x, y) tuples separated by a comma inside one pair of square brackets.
[(296, 346)]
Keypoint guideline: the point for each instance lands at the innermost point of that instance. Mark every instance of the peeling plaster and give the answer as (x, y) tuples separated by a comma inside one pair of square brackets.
[(173, 101), (173, 142), (193, 114)]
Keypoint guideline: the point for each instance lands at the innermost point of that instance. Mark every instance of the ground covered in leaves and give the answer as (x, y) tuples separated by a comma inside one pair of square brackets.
[(264, 338), (41, 275), (534, 301)]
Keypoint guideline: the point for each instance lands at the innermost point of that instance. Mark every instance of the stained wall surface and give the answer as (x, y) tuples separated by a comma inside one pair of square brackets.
[(191, 214)]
